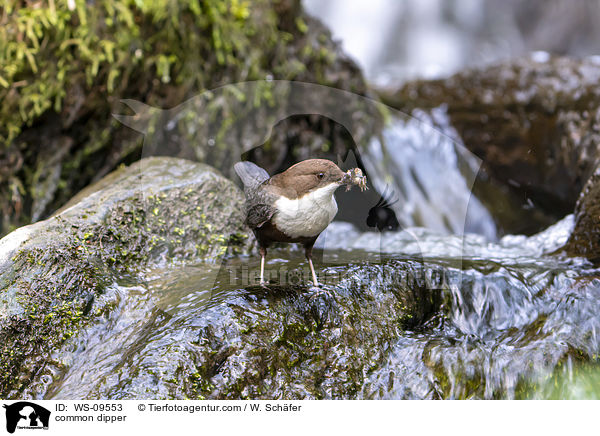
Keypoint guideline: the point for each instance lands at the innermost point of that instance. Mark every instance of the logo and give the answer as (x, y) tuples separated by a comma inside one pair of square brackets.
[(26, 415), (392, 162)]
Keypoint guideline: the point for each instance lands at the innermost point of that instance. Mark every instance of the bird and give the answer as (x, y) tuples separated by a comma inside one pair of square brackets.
[(295, 205)]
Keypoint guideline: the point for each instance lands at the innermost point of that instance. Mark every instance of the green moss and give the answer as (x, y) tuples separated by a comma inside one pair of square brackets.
[(64, 71), (54, 307), (56, 285), (47, 50)]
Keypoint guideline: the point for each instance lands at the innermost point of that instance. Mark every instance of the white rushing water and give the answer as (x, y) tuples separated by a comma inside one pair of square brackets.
[(427, 175)]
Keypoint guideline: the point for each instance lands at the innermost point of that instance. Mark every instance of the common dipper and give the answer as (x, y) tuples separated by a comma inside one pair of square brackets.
[(295, 205)]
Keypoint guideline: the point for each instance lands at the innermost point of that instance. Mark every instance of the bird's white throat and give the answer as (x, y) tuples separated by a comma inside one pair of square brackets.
[(308, 215)]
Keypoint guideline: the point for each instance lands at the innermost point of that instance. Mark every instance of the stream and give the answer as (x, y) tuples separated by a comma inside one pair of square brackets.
[(418, 313)]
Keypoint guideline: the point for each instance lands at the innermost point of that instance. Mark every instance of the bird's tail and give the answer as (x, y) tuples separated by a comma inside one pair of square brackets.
[(252, 175)]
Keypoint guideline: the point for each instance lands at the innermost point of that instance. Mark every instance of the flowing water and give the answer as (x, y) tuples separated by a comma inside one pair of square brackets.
[(490, 324), (426, 174), (417, 313)]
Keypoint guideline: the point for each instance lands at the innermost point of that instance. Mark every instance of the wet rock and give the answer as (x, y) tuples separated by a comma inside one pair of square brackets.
[(155, 212), (484, 327), (534, 122), (312, 346), (445, 317), (585, 239), (283, 341)]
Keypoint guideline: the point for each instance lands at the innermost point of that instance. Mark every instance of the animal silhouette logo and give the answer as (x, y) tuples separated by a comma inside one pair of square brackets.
[(26, 415), (406, 165)]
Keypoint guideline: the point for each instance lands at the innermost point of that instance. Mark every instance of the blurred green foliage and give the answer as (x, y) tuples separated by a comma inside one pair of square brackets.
[(571, 381), (49, 47)]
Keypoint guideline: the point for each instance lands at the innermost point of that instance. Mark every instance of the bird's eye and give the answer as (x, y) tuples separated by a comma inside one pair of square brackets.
[(320, 175)]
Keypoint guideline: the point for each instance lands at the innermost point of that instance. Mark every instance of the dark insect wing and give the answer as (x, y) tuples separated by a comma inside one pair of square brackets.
[(381, 215), (384, 201)]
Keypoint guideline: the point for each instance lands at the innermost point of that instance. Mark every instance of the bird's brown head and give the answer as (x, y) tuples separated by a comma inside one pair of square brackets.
[(309, 175)]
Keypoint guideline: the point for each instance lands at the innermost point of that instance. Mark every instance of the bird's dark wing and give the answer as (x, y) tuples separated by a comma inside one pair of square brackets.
[(259, 201), (259, 214), (259, 206)]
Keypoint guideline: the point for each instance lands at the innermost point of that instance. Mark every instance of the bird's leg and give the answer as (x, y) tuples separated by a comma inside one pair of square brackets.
[(308, 253), (263, 255), (316, 290)]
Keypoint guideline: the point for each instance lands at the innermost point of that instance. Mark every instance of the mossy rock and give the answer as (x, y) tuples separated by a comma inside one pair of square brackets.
[(585, 238), (535, 125), (284, 341), (155, 212)]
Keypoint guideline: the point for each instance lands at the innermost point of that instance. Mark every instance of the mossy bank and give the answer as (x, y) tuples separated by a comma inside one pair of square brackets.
[(155, 212), (65, 66)]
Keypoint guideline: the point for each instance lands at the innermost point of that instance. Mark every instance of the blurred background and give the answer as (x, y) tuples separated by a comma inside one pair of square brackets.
[(394, 41)]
